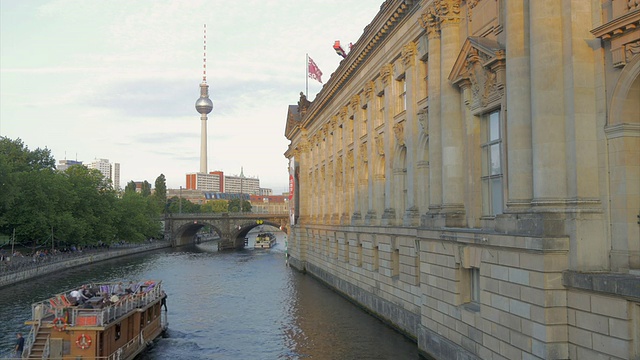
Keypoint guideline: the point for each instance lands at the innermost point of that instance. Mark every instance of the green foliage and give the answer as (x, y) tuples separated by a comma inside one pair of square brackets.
[(146, 189), (76, 205), (131, 187), (174, 206), (234, 205), (160, 193), (215, 206)]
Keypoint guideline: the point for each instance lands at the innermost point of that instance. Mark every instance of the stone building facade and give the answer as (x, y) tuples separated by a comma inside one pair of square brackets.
[(471, 175)]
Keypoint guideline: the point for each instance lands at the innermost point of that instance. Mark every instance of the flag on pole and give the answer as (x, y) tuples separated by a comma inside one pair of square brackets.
[(314, 71)]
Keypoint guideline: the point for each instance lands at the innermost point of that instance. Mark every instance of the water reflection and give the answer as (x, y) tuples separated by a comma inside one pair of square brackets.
[(229, 305)]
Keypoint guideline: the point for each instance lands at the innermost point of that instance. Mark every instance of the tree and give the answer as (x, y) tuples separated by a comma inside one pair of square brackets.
[(145, 189), (131, 187), (187, 206), (160, 193), (234, 205), (215, 206)]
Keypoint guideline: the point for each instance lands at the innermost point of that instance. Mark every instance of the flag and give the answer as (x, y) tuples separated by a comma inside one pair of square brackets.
[(314, 71)]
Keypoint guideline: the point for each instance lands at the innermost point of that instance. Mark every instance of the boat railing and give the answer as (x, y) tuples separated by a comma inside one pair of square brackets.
[(52, 309), (30, 340), (127, 349), (45, 351)]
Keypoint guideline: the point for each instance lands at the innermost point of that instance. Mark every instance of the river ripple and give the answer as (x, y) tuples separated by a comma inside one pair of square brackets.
[(228, 305)]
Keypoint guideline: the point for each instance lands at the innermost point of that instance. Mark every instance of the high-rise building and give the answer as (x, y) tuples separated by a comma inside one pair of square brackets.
[(103, 166), (213, 181), (109, 171), (241, 184), (115, 176), (65, 164)]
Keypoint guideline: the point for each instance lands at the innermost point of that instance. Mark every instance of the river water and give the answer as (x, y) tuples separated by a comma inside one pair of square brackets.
[(227, 305)]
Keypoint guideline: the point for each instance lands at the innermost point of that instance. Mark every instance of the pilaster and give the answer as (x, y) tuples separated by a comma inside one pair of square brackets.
[(450, 104), (518, 115), (429, 21), (547, 105)]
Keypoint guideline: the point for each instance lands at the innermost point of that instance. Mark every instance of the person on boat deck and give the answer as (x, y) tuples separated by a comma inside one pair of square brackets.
[(130, 288), (163, 302), (78, 296), (19, 343), (118, 289), (87, 291)]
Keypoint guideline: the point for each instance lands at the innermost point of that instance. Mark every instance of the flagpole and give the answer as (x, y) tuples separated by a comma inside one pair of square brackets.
[(306, 93)]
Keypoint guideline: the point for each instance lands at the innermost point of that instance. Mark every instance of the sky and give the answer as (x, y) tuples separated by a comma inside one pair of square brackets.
[(118, 79)]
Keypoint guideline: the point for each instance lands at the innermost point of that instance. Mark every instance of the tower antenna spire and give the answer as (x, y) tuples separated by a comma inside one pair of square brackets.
[(204, 65), (204, 105)]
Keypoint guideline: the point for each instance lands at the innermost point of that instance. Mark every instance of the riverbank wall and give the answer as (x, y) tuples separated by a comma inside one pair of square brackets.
[(94, 257)]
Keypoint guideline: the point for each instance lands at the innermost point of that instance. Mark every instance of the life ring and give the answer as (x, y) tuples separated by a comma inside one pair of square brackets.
[(60, 323), (83, 341)]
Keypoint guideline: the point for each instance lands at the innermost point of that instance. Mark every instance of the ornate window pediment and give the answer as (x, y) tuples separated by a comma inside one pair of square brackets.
[(480, 66), (623, 32)]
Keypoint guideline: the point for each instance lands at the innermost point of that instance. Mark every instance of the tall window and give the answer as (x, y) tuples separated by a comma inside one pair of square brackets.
[(475, 285), (402, 94), (492, 178), (380, 117)]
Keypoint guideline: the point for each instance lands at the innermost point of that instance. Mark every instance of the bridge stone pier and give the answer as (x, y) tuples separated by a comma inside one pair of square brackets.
[(232, 228)]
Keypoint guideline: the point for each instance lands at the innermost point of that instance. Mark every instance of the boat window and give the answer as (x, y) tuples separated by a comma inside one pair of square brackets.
[(118, 328)]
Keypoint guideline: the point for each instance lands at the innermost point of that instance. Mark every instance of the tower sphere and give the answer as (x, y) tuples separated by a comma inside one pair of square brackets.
[(204, 105)]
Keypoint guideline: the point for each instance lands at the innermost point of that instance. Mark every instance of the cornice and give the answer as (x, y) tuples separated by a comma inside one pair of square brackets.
[(617, 26)]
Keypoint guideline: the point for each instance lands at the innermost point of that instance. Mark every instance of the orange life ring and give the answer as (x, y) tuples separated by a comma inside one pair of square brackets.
[(60, 323), (83, 341)]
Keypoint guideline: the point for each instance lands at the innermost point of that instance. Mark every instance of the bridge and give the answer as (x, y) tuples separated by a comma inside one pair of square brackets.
[(232, 228)]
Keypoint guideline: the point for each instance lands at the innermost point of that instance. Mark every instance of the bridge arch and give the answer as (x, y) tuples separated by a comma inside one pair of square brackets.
[(232, 228)]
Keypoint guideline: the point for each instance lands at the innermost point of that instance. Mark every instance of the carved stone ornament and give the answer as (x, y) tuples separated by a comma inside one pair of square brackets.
[(386, 72), (369, 88), (350, 159), (409, 52), (477, 67), (380, 145), (449, 12), (483, 81), (423, 120), (363, 153), (632, 49), (398, 130), (470, 5), (344, 112), (355, 102), (303, 146), (430, 22)]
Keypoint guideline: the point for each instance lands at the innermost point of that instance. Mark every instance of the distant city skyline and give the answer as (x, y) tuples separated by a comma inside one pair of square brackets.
[(119, 79)]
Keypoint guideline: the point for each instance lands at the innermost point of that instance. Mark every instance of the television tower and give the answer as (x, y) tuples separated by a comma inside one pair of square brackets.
[(204, 105)]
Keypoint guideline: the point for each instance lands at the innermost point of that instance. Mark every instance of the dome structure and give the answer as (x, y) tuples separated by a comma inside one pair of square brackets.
[(204, 105)]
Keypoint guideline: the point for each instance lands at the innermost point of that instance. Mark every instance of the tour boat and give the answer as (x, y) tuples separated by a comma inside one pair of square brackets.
[(112, 322), (265, 240)]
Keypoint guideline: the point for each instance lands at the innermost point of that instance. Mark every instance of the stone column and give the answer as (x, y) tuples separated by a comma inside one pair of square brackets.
[(334, 193), (429, 22), (354, 103), (518, 115), (588, 244), (411, 131), (386, 77), (452, 130), (369, 89), (547, 104)]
